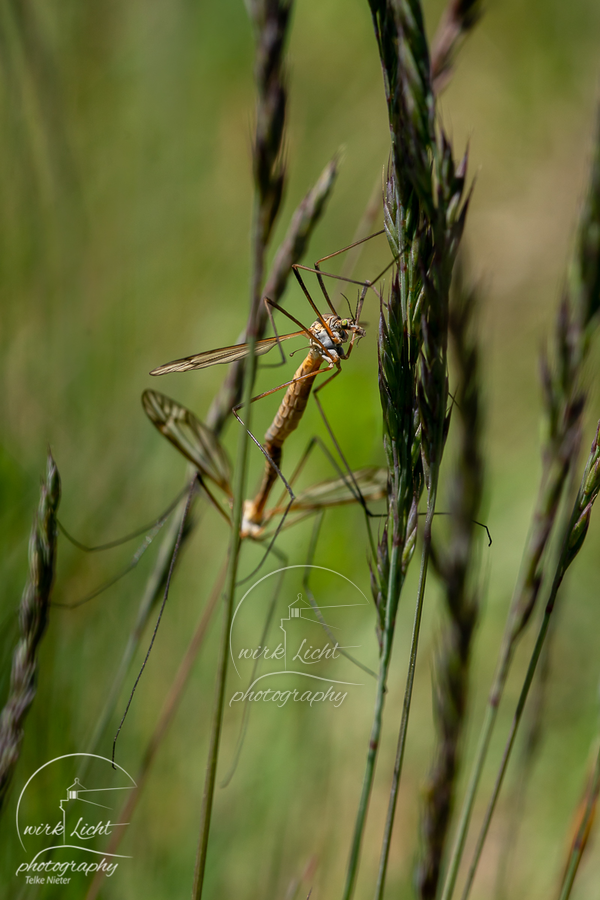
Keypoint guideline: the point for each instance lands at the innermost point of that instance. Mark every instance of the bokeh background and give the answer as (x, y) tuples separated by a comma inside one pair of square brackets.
[(125, 178)]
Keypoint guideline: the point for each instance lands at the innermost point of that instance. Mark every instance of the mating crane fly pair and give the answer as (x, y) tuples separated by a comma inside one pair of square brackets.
[(327, 337)]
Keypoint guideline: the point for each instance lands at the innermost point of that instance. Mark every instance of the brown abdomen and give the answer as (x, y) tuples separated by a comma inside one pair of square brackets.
[(286, 420)]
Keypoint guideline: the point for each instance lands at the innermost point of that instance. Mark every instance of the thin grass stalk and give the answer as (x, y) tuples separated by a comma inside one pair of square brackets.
[(453, 566), (391, 561), (291, 250), (581, 836), (564, 401), (528, 757), (412, 663), (33, 620), (271, 19), (571, 545)]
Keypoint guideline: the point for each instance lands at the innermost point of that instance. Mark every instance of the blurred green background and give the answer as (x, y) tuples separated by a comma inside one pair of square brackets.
[(126, 198)]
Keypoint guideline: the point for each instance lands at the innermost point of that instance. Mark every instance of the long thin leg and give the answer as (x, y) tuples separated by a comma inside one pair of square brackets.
[(316, 441), (370, 283), (107, 584), (358, 494), (350, 246), (338, 277), (310, 299), (191, 490), (357, 491), (279, 347), (303, 460), (150, 533), (128, 537), (278, 388), (274, 465), (213, 500), (246, 714), (309, 334), (350, 483), (315, 606), (337, 253)]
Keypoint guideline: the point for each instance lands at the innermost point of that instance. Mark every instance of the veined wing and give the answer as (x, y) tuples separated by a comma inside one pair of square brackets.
[(192, 438), (371, 480), (222, 355)]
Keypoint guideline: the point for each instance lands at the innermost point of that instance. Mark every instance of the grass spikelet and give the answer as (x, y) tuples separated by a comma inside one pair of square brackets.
[(270, 19), (400, 35), (33, 619), (424, 214)]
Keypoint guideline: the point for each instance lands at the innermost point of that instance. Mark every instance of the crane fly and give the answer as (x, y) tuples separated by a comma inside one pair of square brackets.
[(200, 446), (326, 336)]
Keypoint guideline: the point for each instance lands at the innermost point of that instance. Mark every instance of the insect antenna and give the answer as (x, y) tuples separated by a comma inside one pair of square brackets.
[(349, 307), (360, 303)]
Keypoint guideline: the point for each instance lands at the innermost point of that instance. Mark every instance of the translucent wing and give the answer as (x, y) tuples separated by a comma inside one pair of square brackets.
[(371, 480), (191, 437), (222, 355), (338, 491)]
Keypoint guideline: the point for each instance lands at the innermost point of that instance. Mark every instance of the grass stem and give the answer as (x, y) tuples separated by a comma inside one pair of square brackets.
[(410, 678), (572, 542)]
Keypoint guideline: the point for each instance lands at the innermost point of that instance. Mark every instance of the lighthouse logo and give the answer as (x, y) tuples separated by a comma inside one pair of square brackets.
[(298, 639), (69, 816)]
